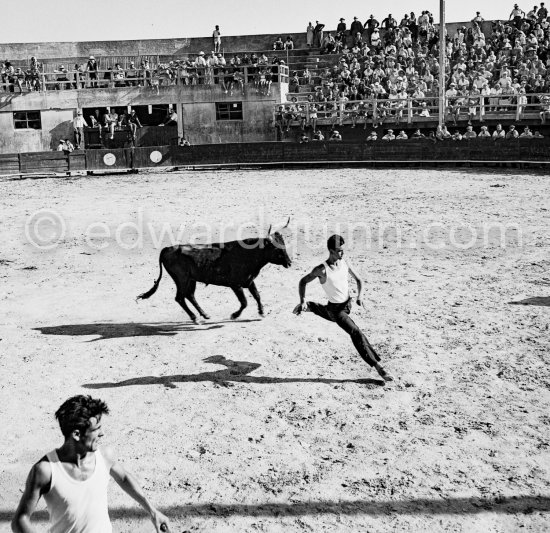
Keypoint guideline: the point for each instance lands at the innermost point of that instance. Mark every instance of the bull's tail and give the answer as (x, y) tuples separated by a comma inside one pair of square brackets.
[(154, 288)]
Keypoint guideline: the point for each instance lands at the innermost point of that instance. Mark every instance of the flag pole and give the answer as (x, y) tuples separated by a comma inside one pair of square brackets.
[(442, 57)]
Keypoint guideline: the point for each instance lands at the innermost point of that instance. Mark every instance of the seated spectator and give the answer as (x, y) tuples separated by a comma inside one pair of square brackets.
[(278, 44), (484, 133), (328, 45), (318, 136), (304, 138), (289, 43), (538, 135), (526, 132), (512, 133), (424, 111), (457, 136), (402, 135), (470, 133), (389, 136), (499, 132), (184, 142), (171, 118), (110, 122), (335, 136), (373, 136), (65, 146), (418, 135)]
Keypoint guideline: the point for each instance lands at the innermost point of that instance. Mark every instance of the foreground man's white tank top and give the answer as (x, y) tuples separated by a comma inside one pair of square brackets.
[(336, 285), (78, 506)]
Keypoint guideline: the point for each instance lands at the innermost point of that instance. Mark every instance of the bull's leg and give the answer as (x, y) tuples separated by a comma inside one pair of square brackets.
[(256, 295), (242, 299), (180, 298), (190, 295)]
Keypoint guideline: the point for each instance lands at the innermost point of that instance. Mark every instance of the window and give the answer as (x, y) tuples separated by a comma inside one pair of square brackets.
[(23, 120), (229, 110)]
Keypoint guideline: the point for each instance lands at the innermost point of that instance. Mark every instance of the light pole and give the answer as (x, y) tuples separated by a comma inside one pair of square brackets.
[(442, 57)]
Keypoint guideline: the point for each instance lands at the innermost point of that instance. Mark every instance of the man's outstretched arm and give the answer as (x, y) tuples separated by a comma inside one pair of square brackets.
[(129, 484), (317, 272), (38, 479)]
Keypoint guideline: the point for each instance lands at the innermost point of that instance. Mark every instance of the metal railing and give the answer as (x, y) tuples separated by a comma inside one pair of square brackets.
[(227, 75), (410, 110)]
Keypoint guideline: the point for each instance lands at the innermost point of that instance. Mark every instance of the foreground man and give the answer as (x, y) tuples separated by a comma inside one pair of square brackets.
[(333, 275), (73, 478)]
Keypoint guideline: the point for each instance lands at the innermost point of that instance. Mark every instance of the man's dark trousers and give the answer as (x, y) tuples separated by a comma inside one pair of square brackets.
[(339, 313)]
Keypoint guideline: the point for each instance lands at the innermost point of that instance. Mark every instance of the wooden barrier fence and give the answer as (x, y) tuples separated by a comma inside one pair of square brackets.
[(474, 151)]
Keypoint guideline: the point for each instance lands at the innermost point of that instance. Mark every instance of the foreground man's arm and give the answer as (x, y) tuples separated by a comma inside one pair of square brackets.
[(37, 481), (129, 484)]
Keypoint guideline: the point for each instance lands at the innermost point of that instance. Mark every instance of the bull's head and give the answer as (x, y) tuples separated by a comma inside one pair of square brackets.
[(276, 248)]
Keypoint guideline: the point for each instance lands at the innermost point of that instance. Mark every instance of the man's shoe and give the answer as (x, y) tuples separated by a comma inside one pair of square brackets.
[(384, 375)]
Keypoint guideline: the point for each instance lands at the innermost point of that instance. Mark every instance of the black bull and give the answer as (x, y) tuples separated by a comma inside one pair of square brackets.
[(234, 264)]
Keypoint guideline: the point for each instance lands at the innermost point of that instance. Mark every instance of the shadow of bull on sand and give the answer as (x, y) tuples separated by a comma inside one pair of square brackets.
[(111, 330), (235, 372)]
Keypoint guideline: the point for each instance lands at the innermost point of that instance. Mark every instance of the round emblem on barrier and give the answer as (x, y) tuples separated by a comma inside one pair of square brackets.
[(155, 156), (109, 159)]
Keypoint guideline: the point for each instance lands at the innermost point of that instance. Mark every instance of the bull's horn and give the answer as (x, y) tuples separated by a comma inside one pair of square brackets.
[(287, 223), (269, 230)]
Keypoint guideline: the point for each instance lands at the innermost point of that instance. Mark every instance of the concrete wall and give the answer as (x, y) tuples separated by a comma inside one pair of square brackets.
[(199, 113), (168, 47)]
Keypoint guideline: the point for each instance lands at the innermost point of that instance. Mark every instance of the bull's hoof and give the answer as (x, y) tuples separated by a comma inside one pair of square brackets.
[(197, 321), (206, 317), (262, 313), (234, 316)]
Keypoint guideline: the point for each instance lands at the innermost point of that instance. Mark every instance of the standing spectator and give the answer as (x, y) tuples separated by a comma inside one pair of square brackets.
[(542, 13), (309, 35), (356, 27), (78, 126), (478, 19), (532, 15), (544, 108), (278, 44), (217, 38), (389, 22), (132, 78), (318, 34), (371, 24), (516, 16), (92, 66)]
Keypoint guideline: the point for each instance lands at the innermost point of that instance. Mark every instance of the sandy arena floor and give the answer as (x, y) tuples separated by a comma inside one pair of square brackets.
[(277, 424)]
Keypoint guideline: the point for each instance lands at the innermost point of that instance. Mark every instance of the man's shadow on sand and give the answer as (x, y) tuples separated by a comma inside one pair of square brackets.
[(235, 372), (111, 330)]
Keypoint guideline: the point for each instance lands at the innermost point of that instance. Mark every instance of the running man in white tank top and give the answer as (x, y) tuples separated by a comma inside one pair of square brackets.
[(333, 275), (73, 478)]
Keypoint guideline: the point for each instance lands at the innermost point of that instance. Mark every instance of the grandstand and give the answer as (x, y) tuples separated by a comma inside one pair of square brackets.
[(496, 73)]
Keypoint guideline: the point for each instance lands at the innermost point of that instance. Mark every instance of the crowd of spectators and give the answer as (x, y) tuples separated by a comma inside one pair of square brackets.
[(230, 72), (391, 61), (440, 134)]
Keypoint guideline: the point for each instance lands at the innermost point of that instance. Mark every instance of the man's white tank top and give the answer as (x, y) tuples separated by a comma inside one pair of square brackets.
[(336, 285), (78, 506)]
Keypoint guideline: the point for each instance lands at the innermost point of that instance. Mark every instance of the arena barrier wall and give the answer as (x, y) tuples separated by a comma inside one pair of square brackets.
[(475, 151)]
